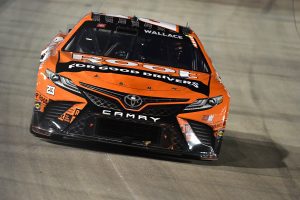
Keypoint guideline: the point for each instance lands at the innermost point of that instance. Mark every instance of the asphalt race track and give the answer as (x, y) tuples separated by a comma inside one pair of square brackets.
[(255, 46)]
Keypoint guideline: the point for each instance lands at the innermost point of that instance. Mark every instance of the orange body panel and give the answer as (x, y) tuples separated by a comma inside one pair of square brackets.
[(47, 90)]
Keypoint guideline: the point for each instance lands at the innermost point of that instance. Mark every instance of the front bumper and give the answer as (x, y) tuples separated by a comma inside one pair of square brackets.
[(96, 123)]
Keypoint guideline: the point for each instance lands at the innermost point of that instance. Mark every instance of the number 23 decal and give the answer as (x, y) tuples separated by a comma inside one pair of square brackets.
[(50, 90)]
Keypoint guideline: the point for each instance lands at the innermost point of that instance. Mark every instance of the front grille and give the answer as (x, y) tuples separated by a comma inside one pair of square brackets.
[(101, 101), (89, 123), (55, 109), (163, 110), (203, 132), (150, 110), (128, 131), (121, 96)]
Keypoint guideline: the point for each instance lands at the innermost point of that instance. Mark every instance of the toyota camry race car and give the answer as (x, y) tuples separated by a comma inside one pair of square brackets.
[(131, 81)]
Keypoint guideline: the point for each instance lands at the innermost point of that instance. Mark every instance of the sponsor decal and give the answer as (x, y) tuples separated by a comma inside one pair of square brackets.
[(122, 63), (89, 59), (77, 111), (40, 102), (126, 115), (37, 106), (208, 118), (41, 98), (194, 85), (193, 41), (159, 69), (50, 90), (101, 25), (220, 133), (98, 60), (70, 115), (66, 117), (175, 36)]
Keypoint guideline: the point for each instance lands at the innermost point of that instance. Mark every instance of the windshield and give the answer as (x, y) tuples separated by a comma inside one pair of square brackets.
[(136, 44)]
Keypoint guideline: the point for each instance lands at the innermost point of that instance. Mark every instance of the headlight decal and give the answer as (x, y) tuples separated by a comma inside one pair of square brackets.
[(203, 104), (62, 81)]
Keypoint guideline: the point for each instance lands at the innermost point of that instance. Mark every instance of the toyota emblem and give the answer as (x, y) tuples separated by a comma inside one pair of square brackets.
[(133, 101)]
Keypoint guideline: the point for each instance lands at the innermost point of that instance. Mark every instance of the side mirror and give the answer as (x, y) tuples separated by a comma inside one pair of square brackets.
[(69, 27)]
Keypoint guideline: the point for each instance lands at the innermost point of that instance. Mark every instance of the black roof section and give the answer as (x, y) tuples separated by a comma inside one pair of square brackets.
[(135, 22)]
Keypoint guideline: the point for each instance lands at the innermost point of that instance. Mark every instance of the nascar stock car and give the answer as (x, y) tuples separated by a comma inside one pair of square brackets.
[(131, 81)]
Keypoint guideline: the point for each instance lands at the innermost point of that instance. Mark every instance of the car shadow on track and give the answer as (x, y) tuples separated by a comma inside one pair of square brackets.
[(250, 151), (236, 151)]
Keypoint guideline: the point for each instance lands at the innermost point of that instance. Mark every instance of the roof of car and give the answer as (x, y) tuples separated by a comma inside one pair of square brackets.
[(134, 20)]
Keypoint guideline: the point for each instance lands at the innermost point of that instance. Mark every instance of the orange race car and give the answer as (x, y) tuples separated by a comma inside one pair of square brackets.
[(131, 81)]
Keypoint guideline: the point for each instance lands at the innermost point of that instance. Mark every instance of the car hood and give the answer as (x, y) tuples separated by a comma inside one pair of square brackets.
[(131, 77)]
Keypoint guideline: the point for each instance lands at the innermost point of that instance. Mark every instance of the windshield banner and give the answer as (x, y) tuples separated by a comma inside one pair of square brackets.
[(196, 86)]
